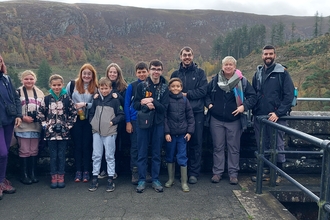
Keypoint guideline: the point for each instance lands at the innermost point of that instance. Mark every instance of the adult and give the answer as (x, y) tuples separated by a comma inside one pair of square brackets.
[(275, 92), (229, 95), (194, 88), (11, 114), (82, 90), (28, 133)]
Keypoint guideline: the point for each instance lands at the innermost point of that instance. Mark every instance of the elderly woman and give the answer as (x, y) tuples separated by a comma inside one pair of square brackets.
[(229, 94)]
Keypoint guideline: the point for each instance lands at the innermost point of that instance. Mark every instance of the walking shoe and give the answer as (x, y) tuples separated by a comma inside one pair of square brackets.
[(233, 180), (78, 177), (102, 175), (111, 186), (141, 186), (148, 178), (115, 176), (278, 180), (7, 182), (93, 185), (53, 182), (135, 176), (215, 178), (86, 177), (265, 177), (60, 181), (157, 186), (192, 180), (6, 188)]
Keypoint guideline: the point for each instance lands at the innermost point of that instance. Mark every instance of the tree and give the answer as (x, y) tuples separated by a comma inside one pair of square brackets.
[(316, 24), (293, 28), (12, 72), (43, 74)]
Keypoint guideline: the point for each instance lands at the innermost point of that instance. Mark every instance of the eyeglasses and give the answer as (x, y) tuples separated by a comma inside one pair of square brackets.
[(187, 55), (154, 69)]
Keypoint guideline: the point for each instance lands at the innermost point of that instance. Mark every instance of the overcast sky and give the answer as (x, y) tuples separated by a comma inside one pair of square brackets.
[(265, 7)]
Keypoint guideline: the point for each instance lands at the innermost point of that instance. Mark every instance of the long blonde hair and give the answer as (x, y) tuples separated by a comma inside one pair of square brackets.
[(121, 84)]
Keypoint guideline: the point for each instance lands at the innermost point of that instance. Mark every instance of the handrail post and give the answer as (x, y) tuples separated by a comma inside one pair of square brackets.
[(273, 156), (260, 158), (325, 181)]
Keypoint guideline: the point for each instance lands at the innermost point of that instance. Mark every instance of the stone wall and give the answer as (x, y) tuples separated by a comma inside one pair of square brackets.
[(301, 163)]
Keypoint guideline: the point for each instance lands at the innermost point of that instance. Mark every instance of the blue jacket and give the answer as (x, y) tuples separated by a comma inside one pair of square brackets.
[(275, 90), (130, 111)]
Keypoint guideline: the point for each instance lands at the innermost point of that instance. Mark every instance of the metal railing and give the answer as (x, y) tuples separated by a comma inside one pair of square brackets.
[(323, 201)]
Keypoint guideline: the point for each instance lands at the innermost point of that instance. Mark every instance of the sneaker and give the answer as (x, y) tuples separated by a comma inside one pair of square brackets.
[(86, 177), (135, 177), (215, 178), (157, 186), (148, 178), (141, 187), (192, 180), (6, 188), (78, 177), (93, 185), (115, 176), (111, 186), (102, 175), (233, 181)]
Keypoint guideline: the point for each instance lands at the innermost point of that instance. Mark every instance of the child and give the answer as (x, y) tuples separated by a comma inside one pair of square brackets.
[(151, 98), (57, 115), (28, 133), (179, 125), (141, 72), (104, 116)]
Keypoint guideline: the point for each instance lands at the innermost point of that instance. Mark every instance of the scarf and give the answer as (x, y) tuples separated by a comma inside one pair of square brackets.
[(233, 84)]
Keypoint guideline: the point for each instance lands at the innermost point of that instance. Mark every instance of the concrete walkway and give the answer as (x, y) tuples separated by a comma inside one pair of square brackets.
[(204, 201)]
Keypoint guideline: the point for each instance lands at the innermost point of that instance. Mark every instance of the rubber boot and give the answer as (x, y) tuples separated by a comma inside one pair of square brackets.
[(24, 175), (171, 172), (33, 164), (53, 183), (60, 181), (184, 178)]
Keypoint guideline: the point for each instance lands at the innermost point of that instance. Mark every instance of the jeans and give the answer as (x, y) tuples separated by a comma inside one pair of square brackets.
[(109, 143), (155, 134), (82, 138), (6, 133), (177, 145), (57, 149)]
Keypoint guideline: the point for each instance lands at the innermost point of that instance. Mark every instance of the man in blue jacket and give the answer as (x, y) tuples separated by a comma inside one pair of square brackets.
[(275, 92), (194, 88)]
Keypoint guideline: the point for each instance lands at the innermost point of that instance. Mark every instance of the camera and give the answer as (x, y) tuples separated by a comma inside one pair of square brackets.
[(33, 115), (57, 128)]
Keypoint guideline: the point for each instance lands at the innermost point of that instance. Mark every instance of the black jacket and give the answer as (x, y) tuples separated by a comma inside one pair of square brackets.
[(179, 118), (194, 84), (159, 94), (274, 92), (225, 103)]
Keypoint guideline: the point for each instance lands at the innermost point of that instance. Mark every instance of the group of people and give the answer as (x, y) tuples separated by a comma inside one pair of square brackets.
[(97, 114)]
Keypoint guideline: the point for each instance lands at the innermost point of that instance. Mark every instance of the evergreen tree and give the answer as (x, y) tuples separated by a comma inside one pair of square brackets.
[(316, 24), (43, 74), (13, 73)]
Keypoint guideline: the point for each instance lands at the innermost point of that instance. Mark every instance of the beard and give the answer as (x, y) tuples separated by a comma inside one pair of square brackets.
[(269, 63)]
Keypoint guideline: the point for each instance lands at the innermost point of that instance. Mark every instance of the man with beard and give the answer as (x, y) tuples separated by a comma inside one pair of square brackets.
[(194, 88), (275, 91)]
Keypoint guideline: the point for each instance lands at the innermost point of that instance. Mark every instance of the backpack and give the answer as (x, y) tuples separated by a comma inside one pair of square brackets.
[(72, 85)]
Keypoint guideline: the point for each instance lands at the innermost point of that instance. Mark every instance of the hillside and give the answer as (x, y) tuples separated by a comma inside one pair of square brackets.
[(122, 34)]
